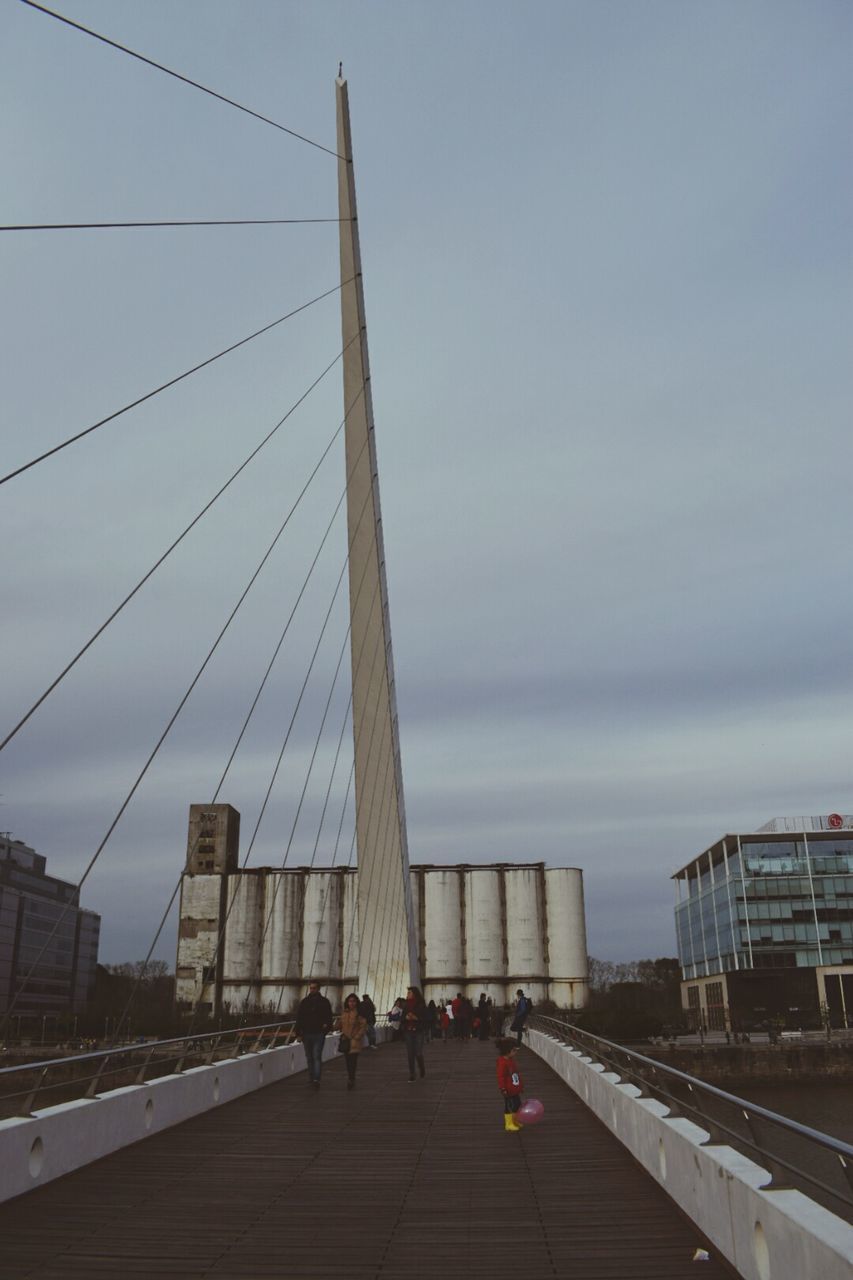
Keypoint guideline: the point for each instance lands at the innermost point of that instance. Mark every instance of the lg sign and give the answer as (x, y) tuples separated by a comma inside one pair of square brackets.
[(834, 821)]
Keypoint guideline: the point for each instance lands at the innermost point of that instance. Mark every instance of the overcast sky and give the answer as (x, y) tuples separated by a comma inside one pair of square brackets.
[(607, 256)]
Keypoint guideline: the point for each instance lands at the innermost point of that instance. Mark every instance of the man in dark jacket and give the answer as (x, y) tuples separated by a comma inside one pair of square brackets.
[(313, 1024), (367, 1009)]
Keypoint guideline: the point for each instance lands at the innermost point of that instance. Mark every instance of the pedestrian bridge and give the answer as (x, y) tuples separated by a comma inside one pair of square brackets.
[(399, 1179)]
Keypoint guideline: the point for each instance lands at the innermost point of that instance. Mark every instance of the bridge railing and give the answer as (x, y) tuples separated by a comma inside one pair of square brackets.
[(794, 1155), (27, 1086)]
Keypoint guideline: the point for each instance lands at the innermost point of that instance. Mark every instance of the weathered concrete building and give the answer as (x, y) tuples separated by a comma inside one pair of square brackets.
[(253, 938)]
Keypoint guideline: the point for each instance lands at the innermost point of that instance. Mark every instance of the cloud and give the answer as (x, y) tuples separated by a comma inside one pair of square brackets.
[(607, 279)]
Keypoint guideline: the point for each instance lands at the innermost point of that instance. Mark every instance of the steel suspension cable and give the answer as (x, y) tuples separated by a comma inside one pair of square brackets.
[(303, 688), (368, 886), (221, 933), (368, 942), (230, 760), (158, 66), (141, 583), (311, 762), (355, 674), (183, 222), (118, 816), (351, 933), (399, 895), (317, 841), (171, 383), (221, 938), (373, 952), (305, 787), (376, 650)]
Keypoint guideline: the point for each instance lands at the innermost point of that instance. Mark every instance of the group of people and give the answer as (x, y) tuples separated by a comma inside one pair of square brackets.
[(412, 1020), (460, 1019), (314, 1021)]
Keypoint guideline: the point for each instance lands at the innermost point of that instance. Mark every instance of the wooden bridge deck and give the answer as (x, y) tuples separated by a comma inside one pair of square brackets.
[(391, 1180)]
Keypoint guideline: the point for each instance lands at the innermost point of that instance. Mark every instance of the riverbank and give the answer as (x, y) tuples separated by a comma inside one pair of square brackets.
[(736, 1067)]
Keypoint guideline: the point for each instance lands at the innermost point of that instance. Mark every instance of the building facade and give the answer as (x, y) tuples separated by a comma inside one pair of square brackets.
[(251, 939), (764, 922), (32, 903)]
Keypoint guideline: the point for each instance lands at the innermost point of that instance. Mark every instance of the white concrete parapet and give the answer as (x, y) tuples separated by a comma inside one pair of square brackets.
[(765, 1235), (57, 1140)]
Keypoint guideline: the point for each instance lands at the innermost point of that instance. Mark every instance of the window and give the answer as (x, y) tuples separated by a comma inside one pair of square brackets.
[(716, 1006)]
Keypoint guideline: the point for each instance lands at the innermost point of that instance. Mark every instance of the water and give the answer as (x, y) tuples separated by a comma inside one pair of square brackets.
[(827, 1107)]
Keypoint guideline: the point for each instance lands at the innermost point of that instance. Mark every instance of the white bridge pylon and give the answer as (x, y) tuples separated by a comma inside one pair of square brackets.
[(388, 951)]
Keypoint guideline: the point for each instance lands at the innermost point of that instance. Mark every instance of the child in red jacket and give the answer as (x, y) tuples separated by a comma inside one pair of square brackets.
[(510, 1083)]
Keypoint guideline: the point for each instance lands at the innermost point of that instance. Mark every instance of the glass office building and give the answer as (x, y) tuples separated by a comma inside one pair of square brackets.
[(764, 922), (48, 945)]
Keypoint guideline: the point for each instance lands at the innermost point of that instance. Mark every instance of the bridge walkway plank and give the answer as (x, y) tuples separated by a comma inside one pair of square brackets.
[(391, 1180)]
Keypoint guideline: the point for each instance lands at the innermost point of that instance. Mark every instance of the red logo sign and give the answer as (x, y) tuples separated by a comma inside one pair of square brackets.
[(834, 821)]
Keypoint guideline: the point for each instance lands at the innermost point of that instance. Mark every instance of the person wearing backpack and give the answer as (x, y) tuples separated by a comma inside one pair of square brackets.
[(523, 1005), (367, 1009)]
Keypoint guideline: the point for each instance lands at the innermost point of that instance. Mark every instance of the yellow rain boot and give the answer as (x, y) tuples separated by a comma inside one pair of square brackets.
[(509, 1123)]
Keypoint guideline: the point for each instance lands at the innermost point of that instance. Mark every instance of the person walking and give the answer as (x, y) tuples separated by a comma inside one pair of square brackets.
[(466, 1017), (443, 1021), (510, 1082), (313, 1024), (483, 1012), (367, 1009), (523, 1005), (414, 1028), (432, 1020), (353, 1027)]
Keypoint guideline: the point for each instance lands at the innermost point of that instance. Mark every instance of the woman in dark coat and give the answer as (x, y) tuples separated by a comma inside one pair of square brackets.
[(483, 1011), (415, 1018)]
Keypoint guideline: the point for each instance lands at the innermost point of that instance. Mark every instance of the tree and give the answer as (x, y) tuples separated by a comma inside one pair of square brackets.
[(131, 998), (632, 1000)]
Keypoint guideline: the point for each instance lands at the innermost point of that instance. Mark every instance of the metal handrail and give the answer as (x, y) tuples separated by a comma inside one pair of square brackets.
[(634, 1068), (142, 1044), (207, 1044)]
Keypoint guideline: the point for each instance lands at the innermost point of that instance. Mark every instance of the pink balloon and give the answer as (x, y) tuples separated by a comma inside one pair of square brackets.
[(531, 1112)]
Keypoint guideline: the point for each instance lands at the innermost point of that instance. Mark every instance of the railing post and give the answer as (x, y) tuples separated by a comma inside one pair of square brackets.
[(780, 1178), (847, 1169), (96, 1078), (716, 1136), (179, 1065), (27, 1107), (140, 1075)]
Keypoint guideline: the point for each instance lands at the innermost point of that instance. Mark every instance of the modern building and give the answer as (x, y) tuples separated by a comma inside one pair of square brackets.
[(251, 939), (764, 922), (38, 979)]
